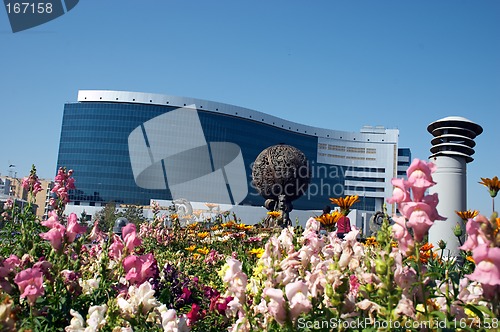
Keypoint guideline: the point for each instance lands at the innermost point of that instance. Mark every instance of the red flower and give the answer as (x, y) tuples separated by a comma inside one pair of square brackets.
[(194, 314)]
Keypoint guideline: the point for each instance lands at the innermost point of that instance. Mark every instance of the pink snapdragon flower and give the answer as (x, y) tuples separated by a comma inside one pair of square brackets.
[(74, 228), (401, 234), (296, 293), (354, 285), (475, 235), (432, 201), (276, 304), (130, 237), (405, 307), (45, 267), (236, 279), (487, 269), (116, 248), (418, 215), (32, 183), (213, 257), (30, 283), (52, 220), (55, 236), (11, 262), (8, 266), (401, 191), (420, 210), (9, 203), (139, 269), (63, 183), (420, 177), (95, 233)]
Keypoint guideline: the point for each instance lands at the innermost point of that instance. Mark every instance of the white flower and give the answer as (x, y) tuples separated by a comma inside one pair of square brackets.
[(345, 258), (125, 306), (96, 318), (77, 324), (138, 296), (296, 294), (145, 296), (286, 238), (122, 329), (89, 285), (168, 319), (182, 324)]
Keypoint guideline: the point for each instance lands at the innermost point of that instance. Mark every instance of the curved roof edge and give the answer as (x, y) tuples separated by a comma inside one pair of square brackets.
[(375, 136)]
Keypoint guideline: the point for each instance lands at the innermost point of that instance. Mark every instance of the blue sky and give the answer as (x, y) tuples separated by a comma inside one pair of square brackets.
[(332, 64)]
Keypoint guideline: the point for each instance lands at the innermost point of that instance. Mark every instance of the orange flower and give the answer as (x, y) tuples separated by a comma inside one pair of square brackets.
[(330, 219), (203, 235), (346, 202), (371, 241), (193, 226), (493, 185), (466, 215), (243, 227), (426, 247), (203, 251), (274, 214), (426, 252), (470, 259), (191, 248), (229, 224)]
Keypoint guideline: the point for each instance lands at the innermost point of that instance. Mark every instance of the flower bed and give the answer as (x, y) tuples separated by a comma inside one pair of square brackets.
[(224, 275)]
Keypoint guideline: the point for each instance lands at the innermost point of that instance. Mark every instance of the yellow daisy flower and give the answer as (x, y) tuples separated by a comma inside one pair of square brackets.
[(191, 248), (257, 252)]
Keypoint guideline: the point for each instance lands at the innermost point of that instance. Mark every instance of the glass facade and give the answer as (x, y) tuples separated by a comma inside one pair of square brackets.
[(404, 161), (115, 151)]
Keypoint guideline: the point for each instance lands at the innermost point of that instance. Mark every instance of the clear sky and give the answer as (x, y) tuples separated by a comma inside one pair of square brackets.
[(332, 64)]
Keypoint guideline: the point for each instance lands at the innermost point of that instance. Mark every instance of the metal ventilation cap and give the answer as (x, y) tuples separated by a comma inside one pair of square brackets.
[(456, 121), (454, 136)]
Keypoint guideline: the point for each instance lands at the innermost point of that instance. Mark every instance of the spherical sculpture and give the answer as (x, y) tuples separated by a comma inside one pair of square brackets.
[(281, 170), (281, 174)]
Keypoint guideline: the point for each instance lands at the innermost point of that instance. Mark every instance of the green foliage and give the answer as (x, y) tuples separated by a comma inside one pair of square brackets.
[(107, 216)]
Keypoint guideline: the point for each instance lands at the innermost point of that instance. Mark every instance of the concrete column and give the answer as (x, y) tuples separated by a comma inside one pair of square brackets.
[(451, 187), (452, 148)]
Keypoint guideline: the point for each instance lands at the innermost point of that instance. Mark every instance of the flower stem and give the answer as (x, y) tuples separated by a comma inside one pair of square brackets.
[(421, 280)]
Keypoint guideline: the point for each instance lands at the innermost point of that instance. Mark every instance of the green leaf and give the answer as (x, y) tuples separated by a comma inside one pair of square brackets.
[(480, 310), (476, 309)]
